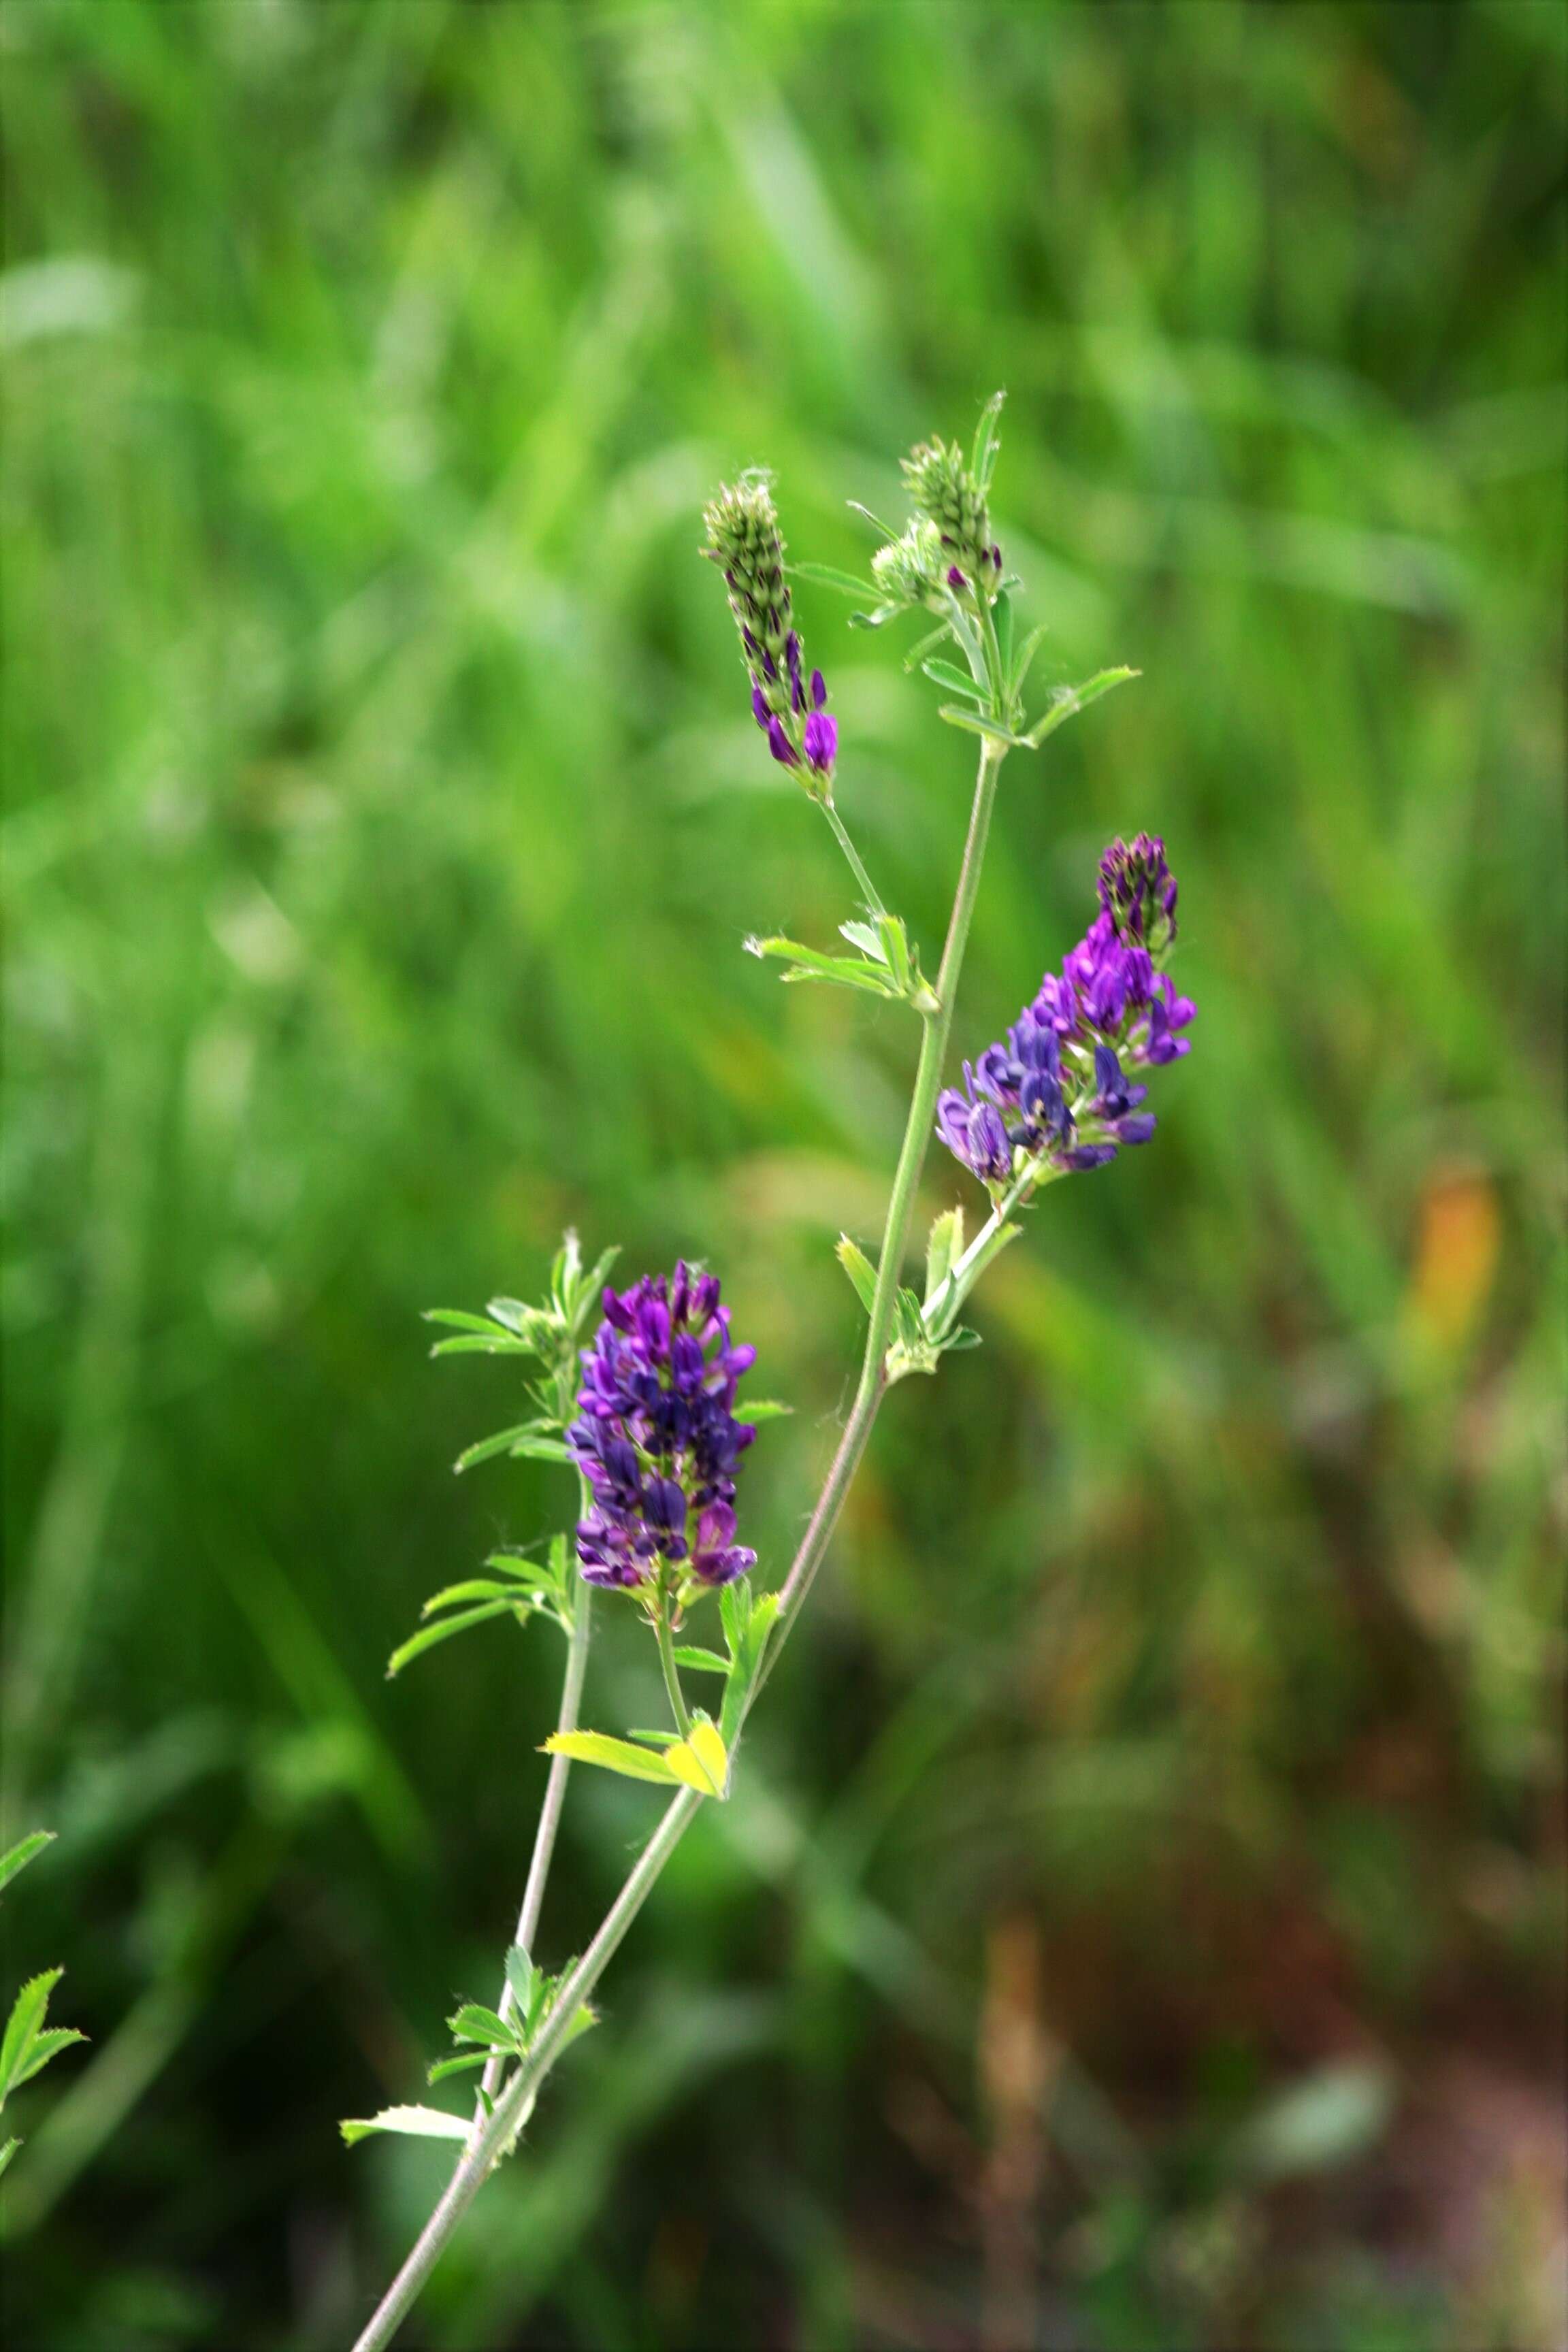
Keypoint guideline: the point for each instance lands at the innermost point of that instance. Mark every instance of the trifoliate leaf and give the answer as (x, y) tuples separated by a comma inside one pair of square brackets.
[(418, 2122), (809, 963)]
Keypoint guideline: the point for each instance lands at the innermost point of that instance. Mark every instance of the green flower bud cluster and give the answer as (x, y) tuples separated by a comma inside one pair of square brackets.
[(944, 489), (743, 537), (745, 540), (909, 570)]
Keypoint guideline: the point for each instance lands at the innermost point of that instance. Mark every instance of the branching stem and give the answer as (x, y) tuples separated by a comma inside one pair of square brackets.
[(516, 2098), (549, 1811)]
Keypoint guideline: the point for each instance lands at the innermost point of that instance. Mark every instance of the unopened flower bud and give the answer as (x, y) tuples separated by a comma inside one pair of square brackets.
[(909, 570), (1137, 891), (947, 493), (745, 542)]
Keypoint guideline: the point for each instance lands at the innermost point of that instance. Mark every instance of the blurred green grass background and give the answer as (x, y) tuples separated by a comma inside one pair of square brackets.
[(1139, 1923)]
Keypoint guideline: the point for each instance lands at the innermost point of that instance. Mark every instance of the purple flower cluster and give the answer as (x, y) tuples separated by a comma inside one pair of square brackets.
[(819, 733), (1057, 1084), (658, 1438)]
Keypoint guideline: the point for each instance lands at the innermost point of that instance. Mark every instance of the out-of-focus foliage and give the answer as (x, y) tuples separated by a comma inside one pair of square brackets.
[(1137, 1922)]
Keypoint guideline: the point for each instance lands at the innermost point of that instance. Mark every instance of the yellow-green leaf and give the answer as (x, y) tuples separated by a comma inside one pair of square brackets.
[(701, 1761), (614, 1755)]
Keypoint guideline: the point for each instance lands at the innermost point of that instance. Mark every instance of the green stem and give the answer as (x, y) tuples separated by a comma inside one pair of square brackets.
[(549, 1811), (900, 1205), (667, 1660), (853, 854), (516, 2099)]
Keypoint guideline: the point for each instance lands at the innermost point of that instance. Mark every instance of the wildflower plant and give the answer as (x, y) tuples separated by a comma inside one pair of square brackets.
[(639, 1391)]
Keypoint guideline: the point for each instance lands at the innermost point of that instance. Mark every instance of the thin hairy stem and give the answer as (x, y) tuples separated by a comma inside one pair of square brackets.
[(549, 1818), (512, 2107), (516, 2099), (901, 1207), (671, 1678), (841, 836)]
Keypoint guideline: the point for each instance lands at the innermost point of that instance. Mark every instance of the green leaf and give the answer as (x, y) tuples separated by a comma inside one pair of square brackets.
[(18, 1857), (505, 1441), (762, 1409), (879, 617), (584, 1293), (529, 1440), (828, 576), (502, 1344), (463, 2066), (747, 1624), (859, 1269), (975, 722), (1002, 618), (862, 936), (527, 1322), (701, 1759), (917, 653), (522, 1977), (541, 1449), (1069, 700), (895, 951), (428, 1635), (27, 2013), (957, 1341), (7, 2152), (46, 2046), (702, 1661), (418, 2122), (1024, 657), (876, 521), (459, 1319), (945, 1246), (957, 680), (734, 1614), (614, 1755), (987, 441), (533, 1575), (846, 972), (475, 2022), (477, 1588), (583, 2021)]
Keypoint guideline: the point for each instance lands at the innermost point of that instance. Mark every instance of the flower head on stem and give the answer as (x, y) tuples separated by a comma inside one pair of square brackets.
[(744, 538), (1055, 1095)]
